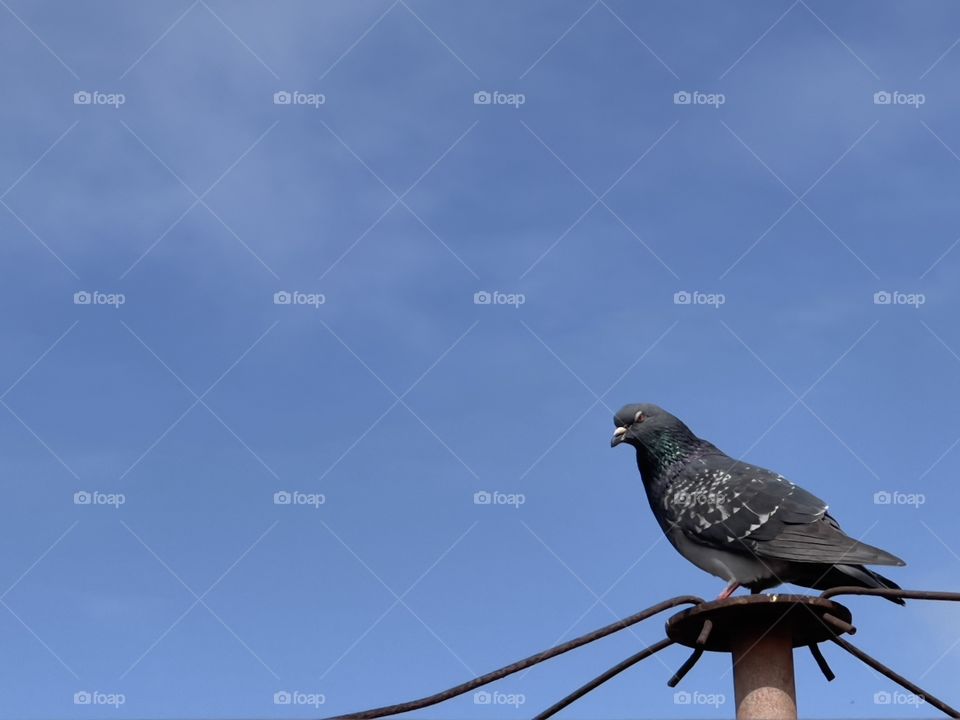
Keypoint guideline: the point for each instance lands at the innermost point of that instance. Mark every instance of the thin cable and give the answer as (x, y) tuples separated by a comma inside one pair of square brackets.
[(521, 664), (892, 593), (896, 677), (601, 679)]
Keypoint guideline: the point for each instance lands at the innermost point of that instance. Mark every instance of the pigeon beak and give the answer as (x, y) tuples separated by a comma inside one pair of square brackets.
[(618, 436)]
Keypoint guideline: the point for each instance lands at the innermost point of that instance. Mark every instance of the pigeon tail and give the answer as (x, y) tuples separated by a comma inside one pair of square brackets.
[(856, 575)]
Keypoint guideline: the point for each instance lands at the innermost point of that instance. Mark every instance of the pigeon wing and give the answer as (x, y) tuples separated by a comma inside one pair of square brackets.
[(821, 542), (745, 509)]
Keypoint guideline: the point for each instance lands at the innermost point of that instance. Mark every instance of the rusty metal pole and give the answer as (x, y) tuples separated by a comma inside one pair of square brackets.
[(760, 632), (763, 680)]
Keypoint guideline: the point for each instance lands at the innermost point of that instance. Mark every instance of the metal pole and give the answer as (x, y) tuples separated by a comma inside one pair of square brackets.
[(763, 675)]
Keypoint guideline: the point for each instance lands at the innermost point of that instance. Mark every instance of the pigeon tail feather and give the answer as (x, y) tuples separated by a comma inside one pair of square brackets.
[(855, 575)]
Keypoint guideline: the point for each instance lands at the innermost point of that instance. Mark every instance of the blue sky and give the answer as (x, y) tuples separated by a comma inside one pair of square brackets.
[(588, 203)]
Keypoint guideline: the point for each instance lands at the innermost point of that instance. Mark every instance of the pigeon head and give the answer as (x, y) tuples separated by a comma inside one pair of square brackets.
[(660, 438), (641, 424)]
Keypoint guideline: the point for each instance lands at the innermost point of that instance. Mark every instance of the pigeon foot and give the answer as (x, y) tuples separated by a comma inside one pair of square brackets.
[(728, 591)]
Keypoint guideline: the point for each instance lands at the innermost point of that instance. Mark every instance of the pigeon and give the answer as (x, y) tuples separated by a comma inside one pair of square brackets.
[(745, 524)]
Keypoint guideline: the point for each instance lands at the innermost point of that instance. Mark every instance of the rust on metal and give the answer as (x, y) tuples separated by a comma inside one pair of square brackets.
[(842, 626), (763, 681), (802, 615)]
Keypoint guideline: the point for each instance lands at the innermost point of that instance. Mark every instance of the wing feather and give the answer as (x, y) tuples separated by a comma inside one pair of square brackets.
[(727, 504)]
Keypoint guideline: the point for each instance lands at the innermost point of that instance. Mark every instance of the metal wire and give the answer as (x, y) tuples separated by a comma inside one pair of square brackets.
[(601, 679), (876, 664), (695, 656), (892, 593), (525, 663), (896, 677), (822, 663), (817, 655), (666, 642)]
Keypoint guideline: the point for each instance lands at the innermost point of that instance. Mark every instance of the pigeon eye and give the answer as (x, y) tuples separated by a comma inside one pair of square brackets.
[(638, 417)]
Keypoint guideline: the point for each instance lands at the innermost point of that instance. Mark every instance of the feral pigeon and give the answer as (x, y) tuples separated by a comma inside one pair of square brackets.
[(745, 524)]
